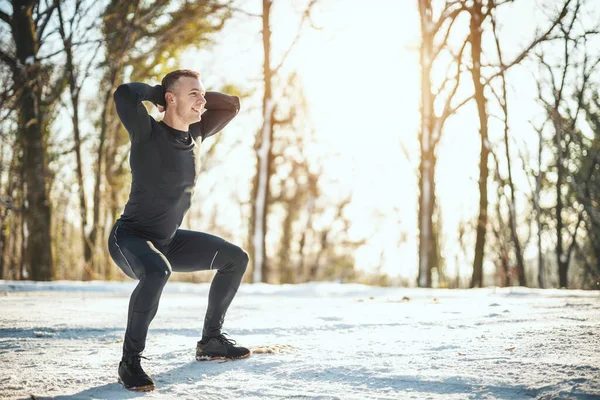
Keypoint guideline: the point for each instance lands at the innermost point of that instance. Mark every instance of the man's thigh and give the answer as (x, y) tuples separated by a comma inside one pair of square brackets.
[(194, 251), (135, 255)]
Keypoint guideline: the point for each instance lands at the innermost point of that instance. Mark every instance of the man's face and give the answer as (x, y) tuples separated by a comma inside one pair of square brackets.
[(187, 99)]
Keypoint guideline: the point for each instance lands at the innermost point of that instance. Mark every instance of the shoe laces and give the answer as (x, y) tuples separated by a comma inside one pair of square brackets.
[(134, 362), (225, 340)]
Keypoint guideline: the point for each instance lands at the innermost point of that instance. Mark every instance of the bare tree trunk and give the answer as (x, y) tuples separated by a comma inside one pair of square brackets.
[(481, 228), (14, 255), (313, 272), (538, 213), (426, 209), (7, 218), (27, 76), (560, 174), (22, 264), (310, 204), (13, 250), (503, 100), (261, 195), (476, 28), (105, 269), (433, 42), (512, 214), (287, 272), (74, 92), (426, 166), (89, 257), (499, 233), (5, 226), (559, 122), (264, 155), (3, 241), (11, 216)]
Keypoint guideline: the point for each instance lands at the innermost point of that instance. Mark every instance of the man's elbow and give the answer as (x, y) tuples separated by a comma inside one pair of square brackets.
[(121, 93)]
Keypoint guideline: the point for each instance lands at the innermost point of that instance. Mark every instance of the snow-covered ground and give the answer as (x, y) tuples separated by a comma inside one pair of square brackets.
[(320, 341)]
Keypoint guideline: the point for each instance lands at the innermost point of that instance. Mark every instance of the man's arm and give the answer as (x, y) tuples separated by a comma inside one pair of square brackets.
[(128, 100), (220, 109)]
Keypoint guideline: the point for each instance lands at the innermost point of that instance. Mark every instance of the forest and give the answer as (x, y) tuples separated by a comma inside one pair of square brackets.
[(429, 143)]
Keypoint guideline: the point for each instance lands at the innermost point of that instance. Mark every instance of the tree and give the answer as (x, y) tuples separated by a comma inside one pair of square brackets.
[(568, 77), (38, 89), (480, 11), (77, 75), (586, 190), (502, 99), (12, 213), (264, 144), (435, 31)]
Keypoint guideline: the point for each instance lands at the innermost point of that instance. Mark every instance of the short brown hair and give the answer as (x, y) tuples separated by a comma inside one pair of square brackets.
[(171, 78)]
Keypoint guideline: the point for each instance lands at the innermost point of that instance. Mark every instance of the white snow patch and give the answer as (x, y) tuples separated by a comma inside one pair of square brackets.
[(316, 340)]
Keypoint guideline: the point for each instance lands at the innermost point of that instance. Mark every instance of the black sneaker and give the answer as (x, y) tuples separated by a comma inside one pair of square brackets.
[(132, 376), (219, 348)]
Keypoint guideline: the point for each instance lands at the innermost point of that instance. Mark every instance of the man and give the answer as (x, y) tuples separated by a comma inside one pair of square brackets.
[(146, 242)]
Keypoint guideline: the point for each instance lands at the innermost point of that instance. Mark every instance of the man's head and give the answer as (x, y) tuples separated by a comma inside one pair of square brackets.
[(184, 95)]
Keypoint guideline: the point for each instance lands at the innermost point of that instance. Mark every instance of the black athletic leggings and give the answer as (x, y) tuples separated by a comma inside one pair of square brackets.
[(140, 258)]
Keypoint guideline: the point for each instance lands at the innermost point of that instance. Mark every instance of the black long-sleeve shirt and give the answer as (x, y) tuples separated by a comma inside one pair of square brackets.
[(164, 160)]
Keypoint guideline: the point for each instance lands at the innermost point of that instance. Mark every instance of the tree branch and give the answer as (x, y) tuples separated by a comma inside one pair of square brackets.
[(9, 205), (284, 121), (57, 88), (442, 45), (533, 44), (448, 109), (246, 13), (48, 13), (408, 158), (5, 17), (10, 61), (448, 13), (305, 16)]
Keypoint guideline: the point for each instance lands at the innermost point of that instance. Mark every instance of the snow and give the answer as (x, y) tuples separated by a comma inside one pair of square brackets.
[(487, 145), (318, 341)]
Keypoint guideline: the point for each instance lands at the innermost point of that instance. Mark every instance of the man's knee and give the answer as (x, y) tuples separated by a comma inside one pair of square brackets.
[(157, 279), (243, 259), (156, 271), (237, 259)]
